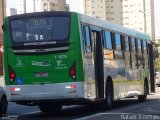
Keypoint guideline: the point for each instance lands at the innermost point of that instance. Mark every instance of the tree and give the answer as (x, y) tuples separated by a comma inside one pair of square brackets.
[(156, 56)]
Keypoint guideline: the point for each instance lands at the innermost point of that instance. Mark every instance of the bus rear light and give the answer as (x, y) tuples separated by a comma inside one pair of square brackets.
[(72, 71), (14, 89), (73, 86), (12, 75)]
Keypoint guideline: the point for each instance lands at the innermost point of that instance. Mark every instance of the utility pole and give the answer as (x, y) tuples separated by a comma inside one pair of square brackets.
[(2, 13), (152, 19), (3, 9), (25, 9), (144, 11)]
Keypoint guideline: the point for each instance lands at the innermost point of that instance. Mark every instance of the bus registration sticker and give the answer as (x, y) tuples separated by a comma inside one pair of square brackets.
[(41, 74)]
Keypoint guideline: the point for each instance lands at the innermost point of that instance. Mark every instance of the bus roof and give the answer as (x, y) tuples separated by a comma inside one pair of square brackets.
[(39, 14), (112, 26)]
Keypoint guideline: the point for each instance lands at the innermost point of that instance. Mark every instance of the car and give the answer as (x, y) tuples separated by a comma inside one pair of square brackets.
[(157, 79), (3, 98)]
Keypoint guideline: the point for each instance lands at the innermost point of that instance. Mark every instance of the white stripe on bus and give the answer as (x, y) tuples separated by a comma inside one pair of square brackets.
[(41, 50)]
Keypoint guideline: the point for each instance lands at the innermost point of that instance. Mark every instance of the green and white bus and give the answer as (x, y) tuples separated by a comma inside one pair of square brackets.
[(57, 58)]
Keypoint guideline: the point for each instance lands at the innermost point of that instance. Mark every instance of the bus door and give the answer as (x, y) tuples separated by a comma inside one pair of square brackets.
[(96, 37), (151, 66), (93, 62)]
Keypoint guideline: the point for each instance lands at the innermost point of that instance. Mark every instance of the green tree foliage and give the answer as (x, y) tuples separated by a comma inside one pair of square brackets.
[(155, 52), (156, 56)]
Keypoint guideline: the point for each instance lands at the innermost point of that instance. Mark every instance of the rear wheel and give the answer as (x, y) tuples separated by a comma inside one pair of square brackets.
[(3, 105), (109, 94), (143, 97), (50, 108)]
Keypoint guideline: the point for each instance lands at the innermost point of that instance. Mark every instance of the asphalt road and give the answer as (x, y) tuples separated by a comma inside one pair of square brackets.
[(129, 109)]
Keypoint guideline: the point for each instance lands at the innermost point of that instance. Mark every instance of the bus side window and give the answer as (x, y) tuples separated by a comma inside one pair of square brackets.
[(139, 46), (108, 42), (117, 42), (144, 47), (133, 46), (127, 46), (133, 53), (127, 52), (87, 39), (108, 45), (118, 47), (145, 52), (139, 55)]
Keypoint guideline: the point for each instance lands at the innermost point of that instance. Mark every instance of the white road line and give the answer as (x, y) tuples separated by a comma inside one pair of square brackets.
[(31, 112), (71, 106), (12, 105)]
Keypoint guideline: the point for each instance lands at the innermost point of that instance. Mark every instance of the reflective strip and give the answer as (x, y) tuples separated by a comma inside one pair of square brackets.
[(40, 43), (17, 89), (40, 50)]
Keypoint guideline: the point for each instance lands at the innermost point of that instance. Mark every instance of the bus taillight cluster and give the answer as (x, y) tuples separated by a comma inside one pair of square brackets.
[(12, 75), (72, 71)]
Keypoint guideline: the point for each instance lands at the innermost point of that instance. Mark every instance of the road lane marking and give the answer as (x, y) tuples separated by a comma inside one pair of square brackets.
[(12, 105), (32, 112)]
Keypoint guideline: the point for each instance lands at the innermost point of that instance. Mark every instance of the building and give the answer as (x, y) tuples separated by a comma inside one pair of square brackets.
[(21, 6), (58, 5), (11, 11), (95, 8), (27, 6), (157, 18), (134, 14)]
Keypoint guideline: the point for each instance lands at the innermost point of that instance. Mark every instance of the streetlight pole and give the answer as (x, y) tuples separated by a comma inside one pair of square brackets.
[(145, 23), (145, 27), (144, 11)]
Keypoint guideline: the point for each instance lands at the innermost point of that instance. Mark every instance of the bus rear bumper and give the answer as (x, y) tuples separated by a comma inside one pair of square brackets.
[(58, 91)]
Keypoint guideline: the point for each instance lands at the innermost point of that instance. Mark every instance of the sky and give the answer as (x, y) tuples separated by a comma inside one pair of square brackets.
[(157, 17), (77, 6), (74, 5)]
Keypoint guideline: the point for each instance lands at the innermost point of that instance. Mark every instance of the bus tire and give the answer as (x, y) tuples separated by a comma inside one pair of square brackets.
[(142, 98), (109, 94), (3, 105), (50, 108)]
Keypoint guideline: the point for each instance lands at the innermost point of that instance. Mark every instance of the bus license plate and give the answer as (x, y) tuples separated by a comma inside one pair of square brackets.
[(41, 74)]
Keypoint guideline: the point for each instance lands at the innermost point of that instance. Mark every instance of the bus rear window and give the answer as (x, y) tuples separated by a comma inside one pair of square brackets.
[(40, 29)]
